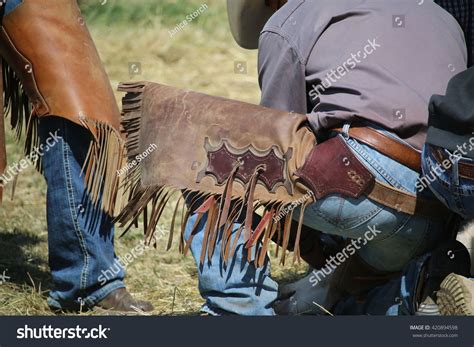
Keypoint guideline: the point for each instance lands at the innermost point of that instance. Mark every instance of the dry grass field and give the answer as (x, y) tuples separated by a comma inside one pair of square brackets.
[(134, 41)]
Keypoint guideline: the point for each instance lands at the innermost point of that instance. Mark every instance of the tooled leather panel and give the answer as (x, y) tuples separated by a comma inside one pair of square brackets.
[(223, 158), (331, 168), (178, 121)]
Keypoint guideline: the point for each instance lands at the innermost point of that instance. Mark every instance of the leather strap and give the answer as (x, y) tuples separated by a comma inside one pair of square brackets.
[(332, 168), (406, 202), (466, 170), (394, 149)]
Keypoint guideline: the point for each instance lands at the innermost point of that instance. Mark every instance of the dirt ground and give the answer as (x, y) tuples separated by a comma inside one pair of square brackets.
[(134, 41)]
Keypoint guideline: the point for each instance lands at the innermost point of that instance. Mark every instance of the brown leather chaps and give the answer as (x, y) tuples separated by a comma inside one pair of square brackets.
[(232, 159), (51, 68)]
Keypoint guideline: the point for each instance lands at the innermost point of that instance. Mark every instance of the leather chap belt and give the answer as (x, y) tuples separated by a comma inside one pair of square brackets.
[(466, 170), (51, 68), (407, 156), (227, 159), (386, 145), (332, 168)]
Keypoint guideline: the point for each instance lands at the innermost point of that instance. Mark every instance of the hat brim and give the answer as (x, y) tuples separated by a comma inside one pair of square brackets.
[(247, 19)]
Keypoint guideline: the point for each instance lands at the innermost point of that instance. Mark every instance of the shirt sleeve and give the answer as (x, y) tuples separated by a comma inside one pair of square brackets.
[(281, 74)]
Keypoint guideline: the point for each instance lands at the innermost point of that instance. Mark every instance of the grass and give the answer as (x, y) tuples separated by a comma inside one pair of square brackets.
[(201, 57), (147, 12)]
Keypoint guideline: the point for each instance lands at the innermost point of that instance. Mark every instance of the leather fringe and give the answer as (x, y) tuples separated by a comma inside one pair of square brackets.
[(222, 210), (15, 101), (102, 166), (22, 120), (3, 150), (105, 156)]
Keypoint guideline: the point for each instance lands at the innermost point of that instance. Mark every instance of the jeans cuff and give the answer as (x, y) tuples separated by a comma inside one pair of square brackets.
[(89, 302)]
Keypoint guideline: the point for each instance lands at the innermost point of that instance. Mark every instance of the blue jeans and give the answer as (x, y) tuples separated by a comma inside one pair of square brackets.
[(80, 237), (456, 192), (396, 298), (401, 238), (11, 5)]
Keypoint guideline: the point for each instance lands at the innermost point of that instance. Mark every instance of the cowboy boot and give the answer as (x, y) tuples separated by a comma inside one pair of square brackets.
[(122, 301)]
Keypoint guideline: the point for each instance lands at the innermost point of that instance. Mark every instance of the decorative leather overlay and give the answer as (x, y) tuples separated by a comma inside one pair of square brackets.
[(222, 159), (331, 168)]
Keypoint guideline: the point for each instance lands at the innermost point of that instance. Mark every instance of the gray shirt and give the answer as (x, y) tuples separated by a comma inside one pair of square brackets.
[(369, 60)]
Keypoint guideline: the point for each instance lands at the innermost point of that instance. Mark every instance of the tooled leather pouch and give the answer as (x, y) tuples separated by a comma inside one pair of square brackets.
[(332, 168)]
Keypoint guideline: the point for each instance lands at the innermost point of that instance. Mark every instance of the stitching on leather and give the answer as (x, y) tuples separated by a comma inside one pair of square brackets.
[(73, 210)]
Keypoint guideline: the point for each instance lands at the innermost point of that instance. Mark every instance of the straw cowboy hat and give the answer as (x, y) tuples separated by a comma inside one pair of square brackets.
[(247, 19)]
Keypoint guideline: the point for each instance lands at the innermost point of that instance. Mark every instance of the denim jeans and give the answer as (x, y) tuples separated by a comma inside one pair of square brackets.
[(244, 289), (11, 5), (396, 298), (83, 265), (456, 192)]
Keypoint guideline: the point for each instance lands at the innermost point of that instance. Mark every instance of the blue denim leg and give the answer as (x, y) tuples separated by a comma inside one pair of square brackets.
[(80, 237), (11, 5), (395, 298), (456, 192), (238, 288), (401, 237)]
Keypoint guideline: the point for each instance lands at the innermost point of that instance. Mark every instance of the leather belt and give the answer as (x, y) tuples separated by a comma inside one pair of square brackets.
[(323, 174), (466, 170), (407, 203), (384, 144)]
